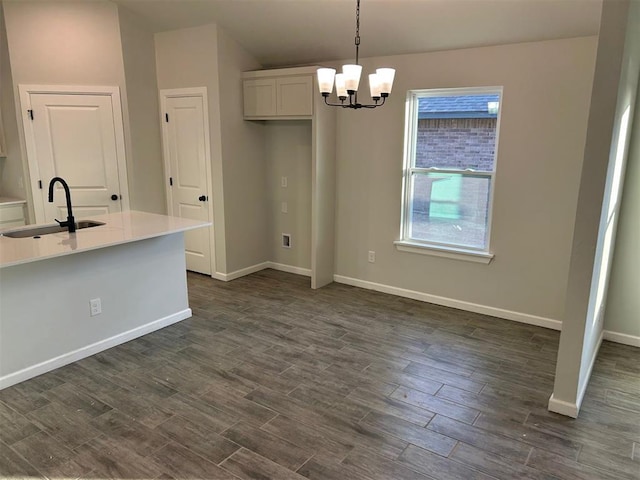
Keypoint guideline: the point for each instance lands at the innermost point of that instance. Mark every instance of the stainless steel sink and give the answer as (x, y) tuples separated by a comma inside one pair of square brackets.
[(48, 229)]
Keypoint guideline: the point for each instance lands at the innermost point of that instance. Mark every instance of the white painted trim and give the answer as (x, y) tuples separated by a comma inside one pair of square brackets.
[(410, 142), (622, 338), (219, 276), (190, 92), (118, 126), (25, 92), (451, 302), (87, 351), (69, 89), (3, 142), (279, 72), (226, 277), (446, 252), (583, 388), (290, 269), (572, 409), (550, 323), (563, 408)]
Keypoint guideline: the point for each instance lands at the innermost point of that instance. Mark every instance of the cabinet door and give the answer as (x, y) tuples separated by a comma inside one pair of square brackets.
[(11, 215), (259, 97), (295, 96)]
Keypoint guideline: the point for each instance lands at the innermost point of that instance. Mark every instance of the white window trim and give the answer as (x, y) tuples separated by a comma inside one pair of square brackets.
[(456, 253), (406, 244)]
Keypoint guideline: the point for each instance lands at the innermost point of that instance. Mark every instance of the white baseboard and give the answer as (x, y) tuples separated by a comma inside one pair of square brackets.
[(290, 269), (79, 354), (219, 276), (582, 389), (563, 408), (226, 277), (550, 323), (622, 338), (450, 302)]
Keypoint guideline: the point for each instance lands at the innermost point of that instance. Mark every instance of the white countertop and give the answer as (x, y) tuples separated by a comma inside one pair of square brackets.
[(119, 228)]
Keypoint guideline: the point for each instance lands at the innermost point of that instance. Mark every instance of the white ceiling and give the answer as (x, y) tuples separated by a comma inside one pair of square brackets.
[(298, 32)]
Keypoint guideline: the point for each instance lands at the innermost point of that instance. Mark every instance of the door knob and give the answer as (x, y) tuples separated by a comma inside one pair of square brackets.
[(202, 198), (114, 197)]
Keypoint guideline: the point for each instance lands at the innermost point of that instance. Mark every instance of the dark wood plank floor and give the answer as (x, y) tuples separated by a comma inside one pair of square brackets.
[(270, 379)]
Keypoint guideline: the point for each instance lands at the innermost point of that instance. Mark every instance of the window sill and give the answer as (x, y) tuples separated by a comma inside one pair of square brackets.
[(453, 253)]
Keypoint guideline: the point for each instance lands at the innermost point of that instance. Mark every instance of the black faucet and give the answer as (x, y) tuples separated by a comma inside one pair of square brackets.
[(70, 223)]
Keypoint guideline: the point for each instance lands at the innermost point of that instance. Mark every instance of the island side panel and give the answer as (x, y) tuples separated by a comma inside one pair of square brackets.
[(45, 317)]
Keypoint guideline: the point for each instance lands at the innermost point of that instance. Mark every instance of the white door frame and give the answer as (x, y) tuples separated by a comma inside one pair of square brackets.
[(116, 105), (189, 92)]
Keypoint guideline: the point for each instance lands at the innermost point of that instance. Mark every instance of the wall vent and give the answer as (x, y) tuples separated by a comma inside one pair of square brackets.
[(286, 240)]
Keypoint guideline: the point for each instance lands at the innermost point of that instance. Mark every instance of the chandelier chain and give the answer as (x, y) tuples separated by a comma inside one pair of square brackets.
[(357, 30)]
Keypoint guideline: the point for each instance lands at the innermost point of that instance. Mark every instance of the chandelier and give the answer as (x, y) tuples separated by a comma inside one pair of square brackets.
[(347, 82)]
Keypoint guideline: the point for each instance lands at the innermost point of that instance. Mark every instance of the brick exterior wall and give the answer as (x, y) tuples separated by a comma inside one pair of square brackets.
[(456, 143)]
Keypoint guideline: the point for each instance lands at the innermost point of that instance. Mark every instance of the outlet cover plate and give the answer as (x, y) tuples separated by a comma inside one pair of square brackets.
[(95, 306)]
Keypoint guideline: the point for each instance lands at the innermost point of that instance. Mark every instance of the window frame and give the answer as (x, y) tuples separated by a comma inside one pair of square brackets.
[(450, 250)]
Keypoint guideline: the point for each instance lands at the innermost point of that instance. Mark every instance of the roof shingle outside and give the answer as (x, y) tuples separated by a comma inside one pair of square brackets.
[(431, 107)]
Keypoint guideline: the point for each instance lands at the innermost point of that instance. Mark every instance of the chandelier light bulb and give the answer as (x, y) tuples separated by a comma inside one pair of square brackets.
[(352, 76), (341, 87), (374, 86), (385, 76), (325, 80)]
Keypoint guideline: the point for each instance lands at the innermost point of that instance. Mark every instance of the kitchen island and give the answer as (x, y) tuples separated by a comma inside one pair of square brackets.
[(134, 265)]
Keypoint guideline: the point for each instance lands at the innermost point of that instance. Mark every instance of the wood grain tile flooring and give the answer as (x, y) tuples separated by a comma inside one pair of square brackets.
[(272, 380)]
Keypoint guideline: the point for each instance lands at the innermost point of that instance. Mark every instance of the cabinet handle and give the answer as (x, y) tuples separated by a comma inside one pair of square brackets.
[(114, 197), (202, 198)]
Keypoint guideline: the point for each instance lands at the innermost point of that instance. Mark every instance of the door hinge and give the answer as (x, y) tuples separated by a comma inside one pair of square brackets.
[(166, 117), (30, 112), (171, 181), (40, 184)]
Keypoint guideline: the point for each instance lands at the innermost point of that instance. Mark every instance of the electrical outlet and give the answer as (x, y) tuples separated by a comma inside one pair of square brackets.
[(284, 207), (283, 182), (372, 256), (286, 240), (95, 306)]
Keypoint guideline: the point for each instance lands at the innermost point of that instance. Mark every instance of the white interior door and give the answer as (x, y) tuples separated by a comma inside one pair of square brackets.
[(77, 136), (186, 147)]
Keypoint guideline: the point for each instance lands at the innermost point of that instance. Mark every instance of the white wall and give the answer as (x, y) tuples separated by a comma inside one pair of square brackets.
[(207, 56), (614, 86), (187, 58), (243, 158), (12, 173), (64, 42), (547, 87), (288, 151), (81, 47), (144, 164), (623, 304), (79, 43)]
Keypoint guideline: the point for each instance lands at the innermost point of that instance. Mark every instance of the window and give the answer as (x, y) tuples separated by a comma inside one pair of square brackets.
[(450, 157)]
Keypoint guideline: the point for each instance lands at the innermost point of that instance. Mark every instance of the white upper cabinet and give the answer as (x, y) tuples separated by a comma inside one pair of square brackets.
[(294, 96), (260, 97), (278, 94)]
